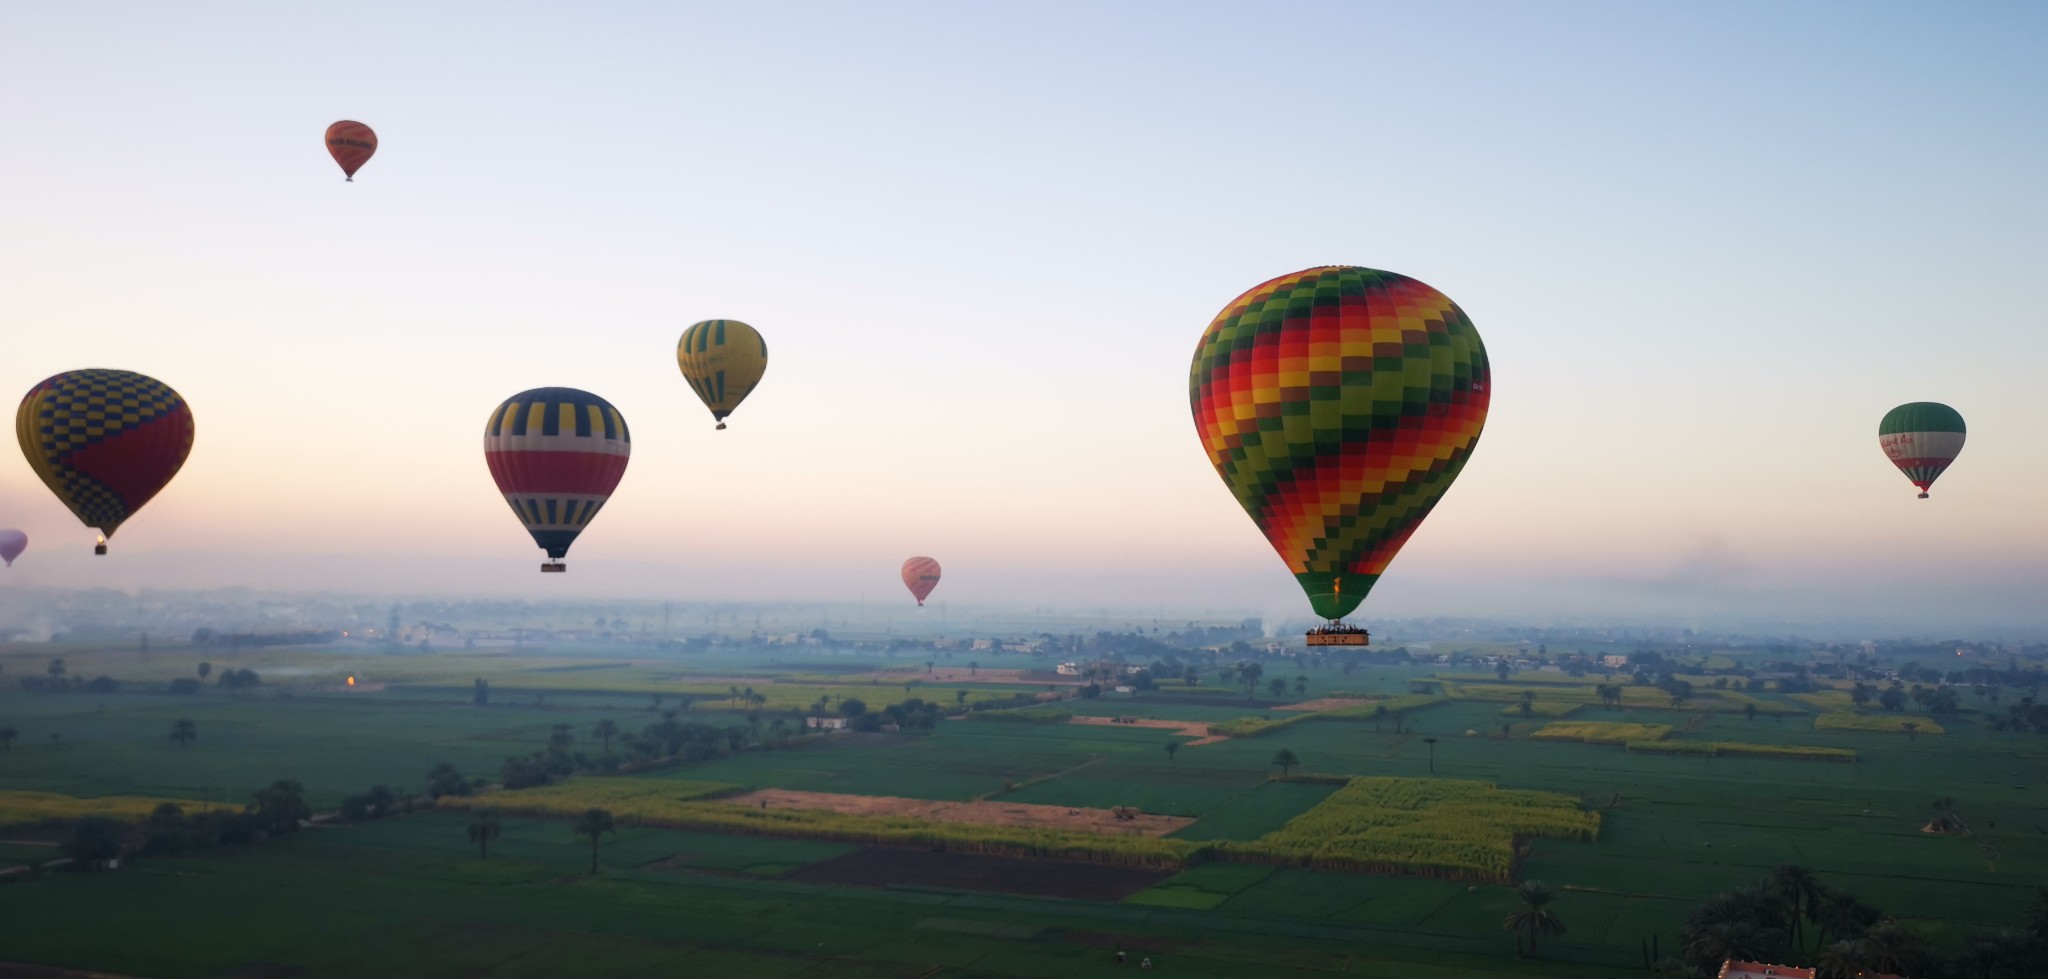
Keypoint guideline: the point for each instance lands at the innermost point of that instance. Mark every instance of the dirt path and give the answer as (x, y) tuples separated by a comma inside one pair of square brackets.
[(990, 813), (1199, 730)]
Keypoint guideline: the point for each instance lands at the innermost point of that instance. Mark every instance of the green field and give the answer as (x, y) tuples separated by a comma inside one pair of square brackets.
[(407, 896)]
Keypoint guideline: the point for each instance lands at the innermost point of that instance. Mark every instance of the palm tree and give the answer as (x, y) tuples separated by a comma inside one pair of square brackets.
[(1724, 940), (1172, 748), (605, 731), (1847, 959), (483, 828), (1799, 889), (960, 698), (1745, 923), (1839, 916), (1379, 713), (594, 824), (205, 669), (7, 736), (1896, 950), (1286, 759), (184, 732), (1431, 742), (1534, 919), (1301, 686), (1250, 674)]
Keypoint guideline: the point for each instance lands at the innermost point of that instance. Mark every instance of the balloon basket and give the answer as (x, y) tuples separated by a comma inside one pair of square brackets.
[(553, 567), (1923, 496), (1338, 634), (100, 549), (721, 426)]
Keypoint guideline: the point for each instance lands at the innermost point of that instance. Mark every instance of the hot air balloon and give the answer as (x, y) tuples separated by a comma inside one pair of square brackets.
[(556, 454), (921, 575), (1338, 404), (1921, 439), (104, 441), (722, 360), (12, 543), (351, 144)]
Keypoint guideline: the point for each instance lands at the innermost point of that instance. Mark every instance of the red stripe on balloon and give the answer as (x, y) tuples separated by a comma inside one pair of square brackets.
[(555, 473)]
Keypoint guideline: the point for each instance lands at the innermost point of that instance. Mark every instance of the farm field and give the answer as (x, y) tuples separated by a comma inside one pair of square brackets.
[(1673, 828), (321, 903)]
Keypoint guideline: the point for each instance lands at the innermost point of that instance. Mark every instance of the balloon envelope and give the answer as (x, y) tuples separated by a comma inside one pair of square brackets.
[(722, 360), (12, 543), (556, 454), (921, 575), (104, 441), (1338, 404), (1921, 438), (351, 144)]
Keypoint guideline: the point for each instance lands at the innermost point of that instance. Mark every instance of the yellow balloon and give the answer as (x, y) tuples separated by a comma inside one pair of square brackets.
[(722, 360)]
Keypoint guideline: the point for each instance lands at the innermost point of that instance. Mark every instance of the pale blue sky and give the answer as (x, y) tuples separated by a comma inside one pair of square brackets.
[(1707, 245)]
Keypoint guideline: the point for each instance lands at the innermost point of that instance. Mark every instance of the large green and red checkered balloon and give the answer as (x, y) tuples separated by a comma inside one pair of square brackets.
[(1338, 404)]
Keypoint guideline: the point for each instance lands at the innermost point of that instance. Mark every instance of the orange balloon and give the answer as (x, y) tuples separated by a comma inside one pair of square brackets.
[(921, 575), (351, 144)]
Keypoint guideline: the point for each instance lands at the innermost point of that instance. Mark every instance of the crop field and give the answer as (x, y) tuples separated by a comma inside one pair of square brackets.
[(408, 896), (646, 800), (531, 909), (1890, 723), (22, 808), (1426, 827), (1602, 732)]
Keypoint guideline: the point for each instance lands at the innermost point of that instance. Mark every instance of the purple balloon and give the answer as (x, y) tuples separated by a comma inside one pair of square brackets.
[(12, 543)]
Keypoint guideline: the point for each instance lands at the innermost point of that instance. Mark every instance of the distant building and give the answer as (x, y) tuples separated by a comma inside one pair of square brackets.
[(1068, 669), (981, 644), (1614, 661), (825, 723)]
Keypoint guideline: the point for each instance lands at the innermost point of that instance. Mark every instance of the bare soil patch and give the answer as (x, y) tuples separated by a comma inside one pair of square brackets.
[(986, 813), (1199, 730), (1327, 703), (889, 867)]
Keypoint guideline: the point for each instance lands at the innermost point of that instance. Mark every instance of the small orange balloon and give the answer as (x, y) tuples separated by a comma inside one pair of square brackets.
[(351, 144)]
